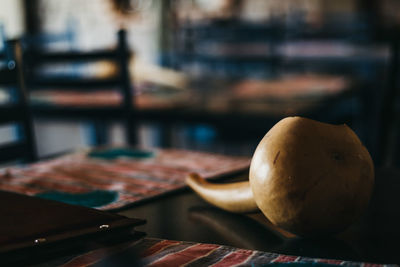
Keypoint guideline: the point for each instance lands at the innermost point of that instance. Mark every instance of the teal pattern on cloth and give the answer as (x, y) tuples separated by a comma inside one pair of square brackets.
[(93, 199), (114, 153)]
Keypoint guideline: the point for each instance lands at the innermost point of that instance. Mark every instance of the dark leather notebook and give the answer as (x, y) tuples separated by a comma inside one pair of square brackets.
[(32, 227)]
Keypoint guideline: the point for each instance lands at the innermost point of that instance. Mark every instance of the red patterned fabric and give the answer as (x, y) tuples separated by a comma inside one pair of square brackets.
[(157, 252), (133, 179)]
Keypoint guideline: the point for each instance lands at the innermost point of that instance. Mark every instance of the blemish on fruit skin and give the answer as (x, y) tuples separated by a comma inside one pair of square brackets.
[(276, 157), (337, 156)]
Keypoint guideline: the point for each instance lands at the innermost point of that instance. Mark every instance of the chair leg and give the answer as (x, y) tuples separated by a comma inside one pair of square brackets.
[(166, 132), (25, 132), (99, 133), (387, 128), (131, 128)]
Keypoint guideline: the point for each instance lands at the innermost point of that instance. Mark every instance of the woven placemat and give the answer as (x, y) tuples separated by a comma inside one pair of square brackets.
[(161, 252), (114, 178)]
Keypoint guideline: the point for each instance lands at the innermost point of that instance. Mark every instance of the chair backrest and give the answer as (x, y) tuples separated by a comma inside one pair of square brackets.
[(14, 112), (78, 87), (77, 80), (228, 48)]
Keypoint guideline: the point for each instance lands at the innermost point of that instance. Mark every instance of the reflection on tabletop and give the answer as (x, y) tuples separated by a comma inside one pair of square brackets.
[(256, 232), (373, 237)]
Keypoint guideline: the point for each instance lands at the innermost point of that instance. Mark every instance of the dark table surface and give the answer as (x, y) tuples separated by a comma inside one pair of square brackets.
[(373, 238)]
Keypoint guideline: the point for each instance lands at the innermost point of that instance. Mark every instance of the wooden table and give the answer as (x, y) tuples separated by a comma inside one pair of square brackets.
[(374, 238), (225, 105), (184, 216)]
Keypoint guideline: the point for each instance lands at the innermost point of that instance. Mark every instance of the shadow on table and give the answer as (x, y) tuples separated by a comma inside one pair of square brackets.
[(259, 234)]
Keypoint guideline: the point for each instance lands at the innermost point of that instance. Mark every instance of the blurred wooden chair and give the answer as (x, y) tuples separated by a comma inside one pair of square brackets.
[(227, 48), (14, 111), (256, 51), (345, 49), (73, 85), (387, 132)]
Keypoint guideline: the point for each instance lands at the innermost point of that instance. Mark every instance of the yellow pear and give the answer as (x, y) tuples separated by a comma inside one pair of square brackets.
[(311, 178)]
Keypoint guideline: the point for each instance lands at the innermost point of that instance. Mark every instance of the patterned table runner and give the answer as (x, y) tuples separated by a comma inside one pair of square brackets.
[(157, 252), (114, 178)]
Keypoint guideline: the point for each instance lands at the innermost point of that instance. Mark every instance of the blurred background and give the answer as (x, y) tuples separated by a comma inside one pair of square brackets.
[(211, 75)]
